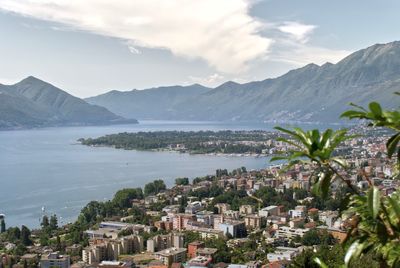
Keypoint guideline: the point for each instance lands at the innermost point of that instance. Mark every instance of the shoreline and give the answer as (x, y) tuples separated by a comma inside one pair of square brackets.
[(181, 152)]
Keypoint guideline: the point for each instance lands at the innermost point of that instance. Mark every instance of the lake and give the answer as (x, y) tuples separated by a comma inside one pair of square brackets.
[(47, 168)]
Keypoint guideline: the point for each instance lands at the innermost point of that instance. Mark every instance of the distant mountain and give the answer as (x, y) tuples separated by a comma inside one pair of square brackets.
[(312, 93), (154, 103), (35, 103)]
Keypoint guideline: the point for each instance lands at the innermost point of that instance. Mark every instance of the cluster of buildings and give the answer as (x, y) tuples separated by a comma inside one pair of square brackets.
[(164, 243)]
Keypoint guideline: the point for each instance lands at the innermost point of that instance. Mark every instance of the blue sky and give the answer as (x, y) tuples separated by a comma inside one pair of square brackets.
[(93, 46)]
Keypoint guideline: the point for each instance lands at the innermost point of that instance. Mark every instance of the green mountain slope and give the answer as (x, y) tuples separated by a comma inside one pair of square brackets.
[(154, 103), (35, 103), (312, 93)]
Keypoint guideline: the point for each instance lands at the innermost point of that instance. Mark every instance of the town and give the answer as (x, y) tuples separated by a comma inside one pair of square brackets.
[(237, 219)]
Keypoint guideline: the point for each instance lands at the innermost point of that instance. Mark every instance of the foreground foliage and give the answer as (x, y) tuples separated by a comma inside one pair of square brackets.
[(374, 220)]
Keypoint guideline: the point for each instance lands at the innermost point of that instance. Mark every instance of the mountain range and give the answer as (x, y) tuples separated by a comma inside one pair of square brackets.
[(309, 94), (35, 103), (312, 93)]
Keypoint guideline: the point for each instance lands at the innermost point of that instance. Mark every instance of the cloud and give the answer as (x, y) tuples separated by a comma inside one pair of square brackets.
[(210, 81), (300, 54), (299, 31), (220, 32), (134, 50)]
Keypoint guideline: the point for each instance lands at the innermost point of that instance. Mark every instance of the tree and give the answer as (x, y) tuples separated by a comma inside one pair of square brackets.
[(25, 236), (124, 197), (19, 250), (13, 234), (53, 222), (317, 237), (374, 219), (44, 239), (154, 187), (58, 243), (2, 226), (221, 172), (223, 254), (190, 237), (182, 181), (45, 222), (333, 257)]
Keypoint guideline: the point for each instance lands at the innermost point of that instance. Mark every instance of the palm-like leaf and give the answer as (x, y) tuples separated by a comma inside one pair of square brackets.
[(380, 118), (317, 148)]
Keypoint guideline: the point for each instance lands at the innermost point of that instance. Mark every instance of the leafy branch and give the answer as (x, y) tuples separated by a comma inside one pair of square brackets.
[(374, 220)]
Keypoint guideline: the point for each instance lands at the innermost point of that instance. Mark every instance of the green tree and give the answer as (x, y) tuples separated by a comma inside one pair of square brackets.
[(13, 234), (2, 226), (223, 254), (45, 222), (44, 239), (124, 197), (318, 237), (58, 243), (53, 225), (182, 181), (190, 237), (25, 236), (19, 250), (154, 187)]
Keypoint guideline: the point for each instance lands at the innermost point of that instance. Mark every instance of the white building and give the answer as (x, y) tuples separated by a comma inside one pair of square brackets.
[(283, 253), (268, 211), (287, 232)]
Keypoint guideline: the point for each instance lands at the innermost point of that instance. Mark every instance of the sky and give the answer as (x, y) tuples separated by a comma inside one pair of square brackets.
[(93, 46)]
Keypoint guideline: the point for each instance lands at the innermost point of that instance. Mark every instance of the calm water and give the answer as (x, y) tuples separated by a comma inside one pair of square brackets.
[(45, 167)]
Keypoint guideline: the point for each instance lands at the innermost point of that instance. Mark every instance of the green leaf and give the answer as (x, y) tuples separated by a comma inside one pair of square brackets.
[(391, 144), (374, 201), (353, 114), (375, 109), (321, 187), (395, 205), (320, 263), (326, 136), (277, 158), (288, 142), (325, 184), (284, 130), (353, 252), (341, 162)]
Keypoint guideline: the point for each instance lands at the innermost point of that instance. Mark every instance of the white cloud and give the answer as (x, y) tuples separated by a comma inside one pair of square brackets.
[(221, 32), (134, 50), (299, 54), (209, 81), (299, 31)]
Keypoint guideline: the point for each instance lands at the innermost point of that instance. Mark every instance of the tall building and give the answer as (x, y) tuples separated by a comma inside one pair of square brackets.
[(193, 247), (110, 249), (161, 242), (54, 260), (233, 228), (253, 221)]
